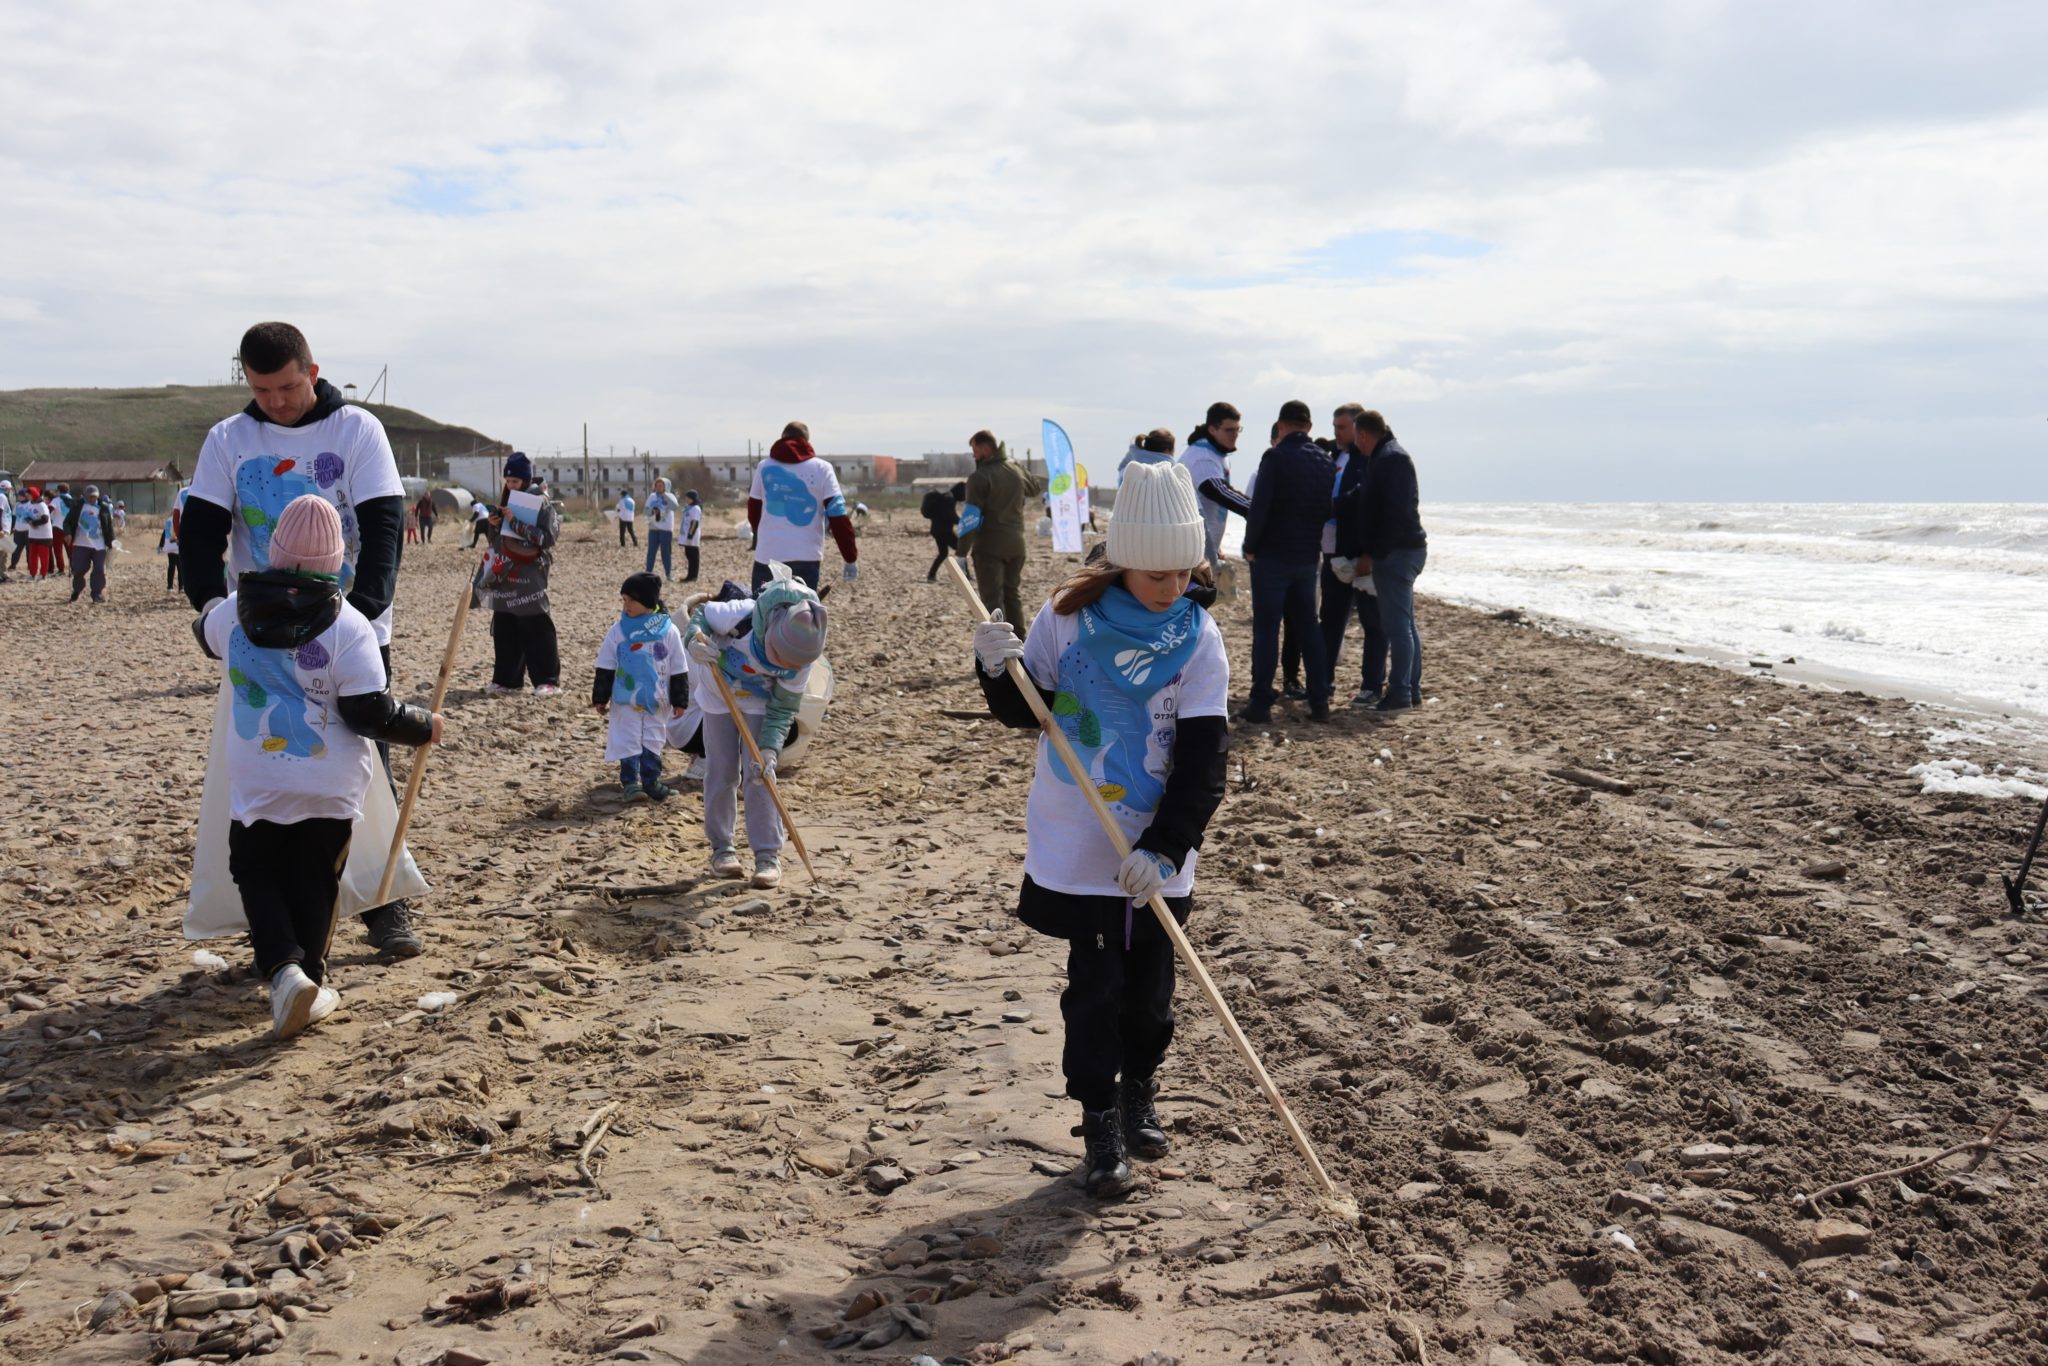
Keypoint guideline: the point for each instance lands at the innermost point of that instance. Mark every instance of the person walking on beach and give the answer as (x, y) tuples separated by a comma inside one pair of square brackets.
[(61, 503), (992, 526), (626, 530), (1156, 736), (298, 435), (167, 539), (941, 507), (640, 683), (764, 646), (90, 529), (1383, 528), (1342, 598), (512, 583), (120, 519), (693, 534), (18, 523), (661, 529), (310, 692), (42, 534), (1207, 463), (424, 510), (1283, 542), (795, 496), (7, 524), (479, 514)]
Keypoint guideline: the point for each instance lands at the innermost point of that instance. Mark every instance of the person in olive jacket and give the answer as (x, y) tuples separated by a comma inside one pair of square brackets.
[(992, 527)]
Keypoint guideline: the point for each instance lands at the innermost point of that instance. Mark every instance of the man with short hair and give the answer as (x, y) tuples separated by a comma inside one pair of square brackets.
[(1207, 462), (1283, 541), (795, 496), (992, 527), (661, 529), (1383, 528), (299, 436), (1342, 597), (626, 532), (90, 529)]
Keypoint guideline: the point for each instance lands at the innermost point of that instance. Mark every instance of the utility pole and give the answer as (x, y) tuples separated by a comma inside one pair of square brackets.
[(586, 468)]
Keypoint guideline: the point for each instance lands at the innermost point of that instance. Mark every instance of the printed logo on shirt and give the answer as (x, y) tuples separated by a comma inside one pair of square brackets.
[(785, 495), (266, 484), (269, 703)]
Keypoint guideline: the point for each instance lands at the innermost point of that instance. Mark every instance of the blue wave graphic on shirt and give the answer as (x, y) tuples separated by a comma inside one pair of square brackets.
[(786, 496)]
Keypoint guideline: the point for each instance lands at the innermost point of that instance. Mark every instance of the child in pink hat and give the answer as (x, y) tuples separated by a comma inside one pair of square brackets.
[(309, 697)]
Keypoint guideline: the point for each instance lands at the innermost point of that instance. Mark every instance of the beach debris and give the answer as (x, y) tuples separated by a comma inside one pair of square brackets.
[(208, 961), (1977, 1147), (1833, 870), (1599, 782), (436, 1001)]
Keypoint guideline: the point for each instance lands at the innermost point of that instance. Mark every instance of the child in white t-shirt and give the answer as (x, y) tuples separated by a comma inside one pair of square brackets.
[(642, 680), (1136, 676), (764, 647), (309, 697)]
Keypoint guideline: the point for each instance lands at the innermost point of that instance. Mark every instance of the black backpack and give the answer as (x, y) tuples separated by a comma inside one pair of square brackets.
[(936, 506)]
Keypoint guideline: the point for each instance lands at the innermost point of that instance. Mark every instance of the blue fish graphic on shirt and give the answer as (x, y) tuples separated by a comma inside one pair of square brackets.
[(267, 697)]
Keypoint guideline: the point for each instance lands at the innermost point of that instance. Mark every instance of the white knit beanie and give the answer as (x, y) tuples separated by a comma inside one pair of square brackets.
[(1156, 524)]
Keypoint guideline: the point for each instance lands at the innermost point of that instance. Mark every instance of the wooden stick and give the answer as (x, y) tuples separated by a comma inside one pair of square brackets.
[(1160, 911), (739, 723), (419, 763), (1975, 1145), (593, 1133)]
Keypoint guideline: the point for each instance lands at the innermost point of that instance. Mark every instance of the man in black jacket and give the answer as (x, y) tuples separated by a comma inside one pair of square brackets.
[(1381, 524), (1283, 541), (1341, 599), (298, 436)]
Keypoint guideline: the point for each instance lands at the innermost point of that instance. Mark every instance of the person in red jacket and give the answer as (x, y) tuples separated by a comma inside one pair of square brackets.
[(794, 497)]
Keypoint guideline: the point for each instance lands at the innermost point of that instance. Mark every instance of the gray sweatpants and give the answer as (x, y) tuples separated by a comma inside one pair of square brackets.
[(722, 755)]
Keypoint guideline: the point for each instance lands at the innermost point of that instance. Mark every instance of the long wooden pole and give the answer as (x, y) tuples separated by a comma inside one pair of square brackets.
[(419, 762), (1342, 1203), (739, 723)]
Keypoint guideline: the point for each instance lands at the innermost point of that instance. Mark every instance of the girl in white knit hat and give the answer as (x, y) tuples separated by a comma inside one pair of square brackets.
[(1136, 675)]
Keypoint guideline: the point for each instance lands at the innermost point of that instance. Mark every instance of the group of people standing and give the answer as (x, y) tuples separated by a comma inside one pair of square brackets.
[(663, 516), (55, 526)]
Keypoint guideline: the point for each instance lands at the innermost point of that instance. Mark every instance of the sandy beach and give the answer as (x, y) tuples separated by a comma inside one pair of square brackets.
[(1575, 1050)]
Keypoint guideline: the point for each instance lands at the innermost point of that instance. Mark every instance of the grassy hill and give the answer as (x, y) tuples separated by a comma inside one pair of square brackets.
[(169, 423)]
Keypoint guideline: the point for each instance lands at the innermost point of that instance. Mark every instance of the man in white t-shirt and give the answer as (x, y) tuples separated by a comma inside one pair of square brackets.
[(793, 498), (661, 529), (626, 531), (693, 532), (299, 436)]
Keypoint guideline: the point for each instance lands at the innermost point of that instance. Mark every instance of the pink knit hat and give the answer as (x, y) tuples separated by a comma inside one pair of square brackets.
[(307, 537)]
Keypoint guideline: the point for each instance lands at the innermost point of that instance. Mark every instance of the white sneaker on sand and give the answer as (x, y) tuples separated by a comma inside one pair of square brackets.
[(726, 863), (292, 998), (324, 1004), (767, 870), (695, 772), (497, 689)]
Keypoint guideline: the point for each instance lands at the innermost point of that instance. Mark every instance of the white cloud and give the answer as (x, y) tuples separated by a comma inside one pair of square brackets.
[(906, 223)]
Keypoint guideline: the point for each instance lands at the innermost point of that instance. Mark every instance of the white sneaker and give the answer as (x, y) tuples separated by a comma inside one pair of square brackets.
[(726, 863), (497, 689), (696, 771), (292, 998), (546, 690), (767, 870), (324, 1004)]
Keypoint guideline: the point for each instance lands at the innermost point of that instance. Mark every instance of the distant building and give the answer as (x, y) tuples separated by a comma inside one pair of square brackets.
[(146, 486)]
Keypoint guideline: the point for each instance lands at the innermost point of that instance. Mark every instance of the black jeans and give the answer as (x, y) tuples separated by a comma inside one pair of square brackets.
[(170, 571), (627, 533), (691, 555), (948, 544), (1118, 1008), (290, 880), (524, 647), (20, 549), (806, 572), (1340, 602)]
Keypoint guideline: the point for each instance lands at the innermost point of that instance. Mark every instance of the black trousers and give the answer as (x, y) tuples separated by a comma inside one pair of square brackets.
[(524, 647), (1118, 1005), (170, 571), (948, 544), (627, 533), (1340, 603), (20, 549), (290, 880), (691, 555)]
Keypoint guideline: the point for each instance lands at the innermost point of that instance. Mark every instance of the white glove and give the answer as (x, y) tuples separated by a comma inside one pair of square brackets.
[(851, 572), (703, 647), (996, 644), (1143, 873), (1343, 570), (765, 770)]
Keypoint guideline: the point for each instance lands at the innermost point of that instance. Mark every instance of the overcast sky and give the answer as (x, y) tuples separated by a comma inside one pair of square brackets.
[(1598, 250)]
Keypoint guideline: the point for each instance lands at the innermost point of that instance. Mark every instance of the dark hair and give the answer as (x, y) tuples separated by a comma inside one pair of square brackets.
[(1274, 435), (984, 437), (1218, 414), (1327, 445), (1351, 410), (958, 492), (1370, 423), (1159, 441), (796, 431), (1295, 413), (269, 347)]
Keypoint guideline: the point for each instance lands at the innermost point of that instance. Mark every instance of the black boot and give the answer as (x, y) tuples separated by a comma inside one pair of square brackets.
[(390, 931), (1144, 1134), (1109, 1176)]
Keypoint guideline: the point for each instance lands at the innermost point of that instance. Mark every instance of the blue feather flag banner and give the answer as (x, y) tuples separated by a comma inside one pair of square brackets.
[(1063, 489)]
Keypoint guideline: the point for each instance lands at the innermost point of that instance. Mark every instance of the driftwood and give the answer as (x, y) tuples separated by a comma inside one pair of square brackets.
[(593, 1132), (1599, 782), (1978, 1146)]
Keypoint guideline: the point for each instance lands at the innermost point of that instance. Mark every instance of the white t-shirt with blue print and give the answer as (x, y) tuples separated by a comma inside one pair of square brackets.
[(796, 502), (253, 469), (1127, 754)]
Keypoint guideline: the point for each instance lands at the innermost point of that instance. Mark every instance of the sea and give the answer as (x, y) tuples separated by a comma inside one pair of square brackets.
[(1941, 602)]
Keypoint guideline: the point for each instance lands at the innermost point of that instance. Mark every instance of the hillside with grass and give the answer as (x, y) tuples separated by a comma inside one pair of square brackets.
[(168, 424)]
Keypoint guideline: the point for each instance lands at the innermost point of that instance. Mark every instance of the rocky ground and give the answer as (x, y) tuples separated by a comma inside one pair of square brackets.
[(1576, 1050)]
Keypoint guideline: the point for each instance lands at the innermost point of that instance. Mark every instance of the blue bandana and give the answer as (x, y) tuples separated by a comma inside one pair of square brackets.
[(1124, 656)]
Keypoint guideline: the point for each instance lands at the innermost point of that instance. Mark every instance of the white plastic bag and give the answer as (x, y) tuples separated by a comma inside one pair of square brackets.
[(215, 907)]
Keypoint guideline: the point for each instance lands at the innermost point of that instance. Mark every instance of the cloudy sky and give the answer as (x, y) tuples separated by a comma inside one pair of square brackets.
[(1600, 250)]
